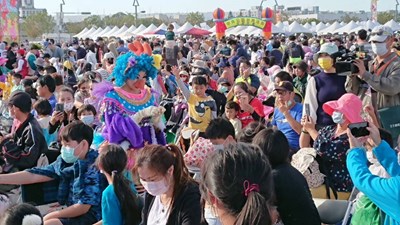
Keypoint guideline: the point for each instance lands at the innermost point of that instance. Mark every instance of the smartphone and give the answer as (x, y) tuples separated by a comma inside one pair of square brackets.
[(307, 107), (359, 129), (60, 107)]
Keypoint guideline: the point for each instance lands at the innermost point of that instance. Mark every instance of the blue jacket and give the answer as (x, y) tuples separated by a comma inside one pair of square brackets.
[(384, 192)]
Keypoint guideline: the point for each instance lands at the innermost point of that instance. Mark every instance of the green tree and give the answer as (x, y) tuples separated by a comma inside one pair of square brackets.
[(93, 21), (148, 21), (37, 24), (348, 18), (384, 17), (74, 28), (230, 15), (195, 18), (210, 23)]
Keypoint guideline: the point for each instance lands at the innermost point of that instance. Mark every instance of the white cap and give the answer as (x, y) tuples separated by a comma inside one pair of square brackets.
[(109, 55)]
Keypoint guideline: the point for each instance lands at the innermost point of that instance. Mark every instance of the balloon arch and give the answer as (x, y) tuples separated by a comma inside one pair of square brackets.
[(264, 23)]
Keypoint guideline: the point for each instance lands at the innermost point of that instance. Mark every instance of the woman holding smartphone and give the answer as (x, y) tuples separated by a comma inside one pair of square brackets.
[(251, 108), (331, 143)]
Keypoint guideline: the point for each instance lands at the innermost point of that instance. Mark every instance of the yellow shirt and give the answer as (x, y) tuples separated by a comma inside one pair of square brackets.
[(201, 111)]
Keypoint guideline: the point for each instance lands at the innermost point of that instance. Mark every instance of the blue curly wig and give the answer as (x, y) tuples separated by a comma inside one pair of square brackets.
[(142, 63)]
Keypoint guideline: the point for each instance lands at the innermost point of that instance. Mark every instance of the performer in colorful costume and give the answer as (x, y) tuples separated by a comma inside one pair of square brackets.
[(129, 112)]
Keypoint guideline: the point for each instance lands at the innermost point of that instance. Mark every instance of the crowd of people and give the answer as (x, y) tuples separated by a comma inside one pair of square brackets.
[(195, 130)]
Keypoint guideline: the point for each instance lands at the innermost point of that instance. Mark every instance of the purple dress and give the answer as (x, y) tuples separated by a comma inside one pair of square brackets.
[(118, 107)]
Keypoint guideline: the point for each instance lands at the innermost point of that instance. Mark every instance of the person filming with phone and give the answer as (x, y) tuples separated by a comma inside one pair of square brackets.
[(331, 143), (382, 191), (383, 77)]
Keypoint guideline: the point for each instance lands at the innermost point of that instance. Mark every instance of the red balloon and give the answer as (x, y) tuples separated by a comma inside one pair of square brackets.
[(219, 14)]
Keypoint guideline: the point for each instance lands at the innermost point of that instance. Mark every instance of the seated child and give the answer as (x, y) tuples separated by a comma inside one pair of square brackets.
[(120, 204), (81, 183), (231, 110), (87, 114), (43, 109), (23, 214), (16, 81)]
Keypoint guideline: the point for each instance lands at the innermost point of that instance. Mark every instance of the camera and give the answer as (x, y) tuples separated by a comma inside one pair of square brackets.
[(345, 62)]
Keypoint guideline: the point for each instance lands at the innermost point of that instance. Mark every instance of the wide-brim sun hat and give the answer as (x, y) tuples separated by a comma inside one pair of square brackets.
[(349, 104)]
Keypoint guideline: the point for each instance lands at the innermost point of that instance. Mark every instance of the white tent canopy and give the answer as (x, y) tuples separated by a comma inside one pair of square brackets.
[(162, 27), (111, 32), (235, 30), (149, 29), (204, 26), (392, 24), (176, 26), (121, 31), (369, 25), (94, 34), (184, 28), (347, 28), (85, 35), (139, 29), (295, 27), (331, 29), (320, 27), (213, 29), (131, 28), (106, 30), (277, 30), (82, 32)]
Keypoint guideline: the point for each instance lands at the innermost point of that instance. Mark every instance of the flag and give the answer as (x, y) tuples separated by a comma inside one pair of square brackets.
[(374, 10)]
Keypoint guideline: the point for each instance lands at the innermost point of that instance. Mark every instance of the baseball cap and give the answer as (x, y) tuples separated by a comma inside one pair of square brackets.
[(328, 48), (21, 52), (68, 65), (285, 86), (21, 100), (223, 81), (380, 33)]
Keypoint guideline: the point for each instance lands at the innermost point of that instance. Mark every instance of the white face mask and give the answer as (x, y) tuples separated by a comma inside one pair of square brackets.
[(155, 188), (379, 48), (68, 106)]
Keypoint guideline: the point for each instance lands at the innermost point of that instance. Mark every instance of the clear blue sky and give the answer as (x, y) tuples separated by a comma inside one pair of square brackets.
[(166, 6)]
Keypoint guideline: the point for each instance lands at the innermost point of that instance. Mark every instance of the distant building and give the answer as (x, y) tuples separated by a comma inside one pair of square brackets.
[(314, 13), (27, 8)]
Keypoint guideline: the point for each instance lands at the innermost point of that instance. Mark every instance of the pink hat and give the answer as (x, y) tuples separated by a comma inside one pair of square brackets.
[(3, 60), (349, 104)]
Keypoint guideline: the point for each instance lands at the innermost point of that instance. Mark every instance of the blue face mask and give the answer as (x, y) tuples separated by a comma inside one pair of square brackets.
[(338, 117), (68, 154), (88, 120)]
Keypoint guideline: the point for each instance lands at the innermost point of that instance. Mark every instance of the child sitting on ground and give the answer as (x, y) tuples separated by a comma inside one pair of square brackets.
[(81, 184), (231, 110), (43, 109), (22, 214), (87, 114), (120, 205)]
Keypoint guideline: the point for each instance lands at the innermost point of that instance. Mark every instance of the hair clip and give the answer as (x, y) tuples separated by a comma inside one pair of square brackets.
[(114, 172), (248, 188)]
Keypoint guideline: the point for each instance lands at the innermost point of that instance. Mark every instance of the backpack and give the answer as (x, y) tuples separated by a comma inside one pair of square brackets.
[(314, 169), (305, 162), (294, 53)]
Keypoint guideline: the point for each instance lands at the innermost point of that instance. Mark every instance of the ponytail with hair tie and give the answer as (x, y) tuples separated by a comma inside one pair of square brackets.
[(32, 219)]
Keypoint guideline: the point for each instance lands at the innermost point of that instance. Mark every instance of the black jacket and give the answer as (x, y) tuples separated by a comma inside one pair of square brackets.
[(28, 143), (294, 200), (187, 208)]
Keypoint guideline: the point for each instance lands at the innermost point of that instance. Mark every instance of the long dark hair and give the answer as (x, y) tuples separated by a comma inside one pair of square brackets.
[(274, 144), (160, 158), (113, 160), (229, 173)]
